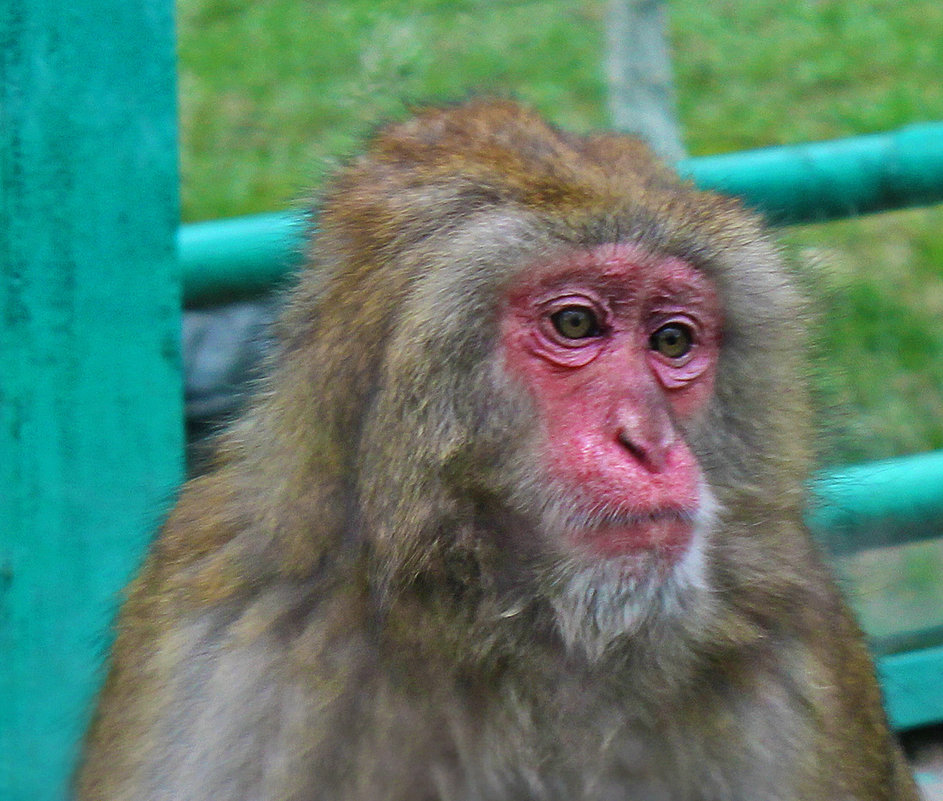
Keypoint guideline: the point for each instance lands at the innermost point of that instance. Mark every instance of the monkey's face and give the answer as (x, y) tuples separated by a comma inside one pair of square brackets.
[(617, 349)]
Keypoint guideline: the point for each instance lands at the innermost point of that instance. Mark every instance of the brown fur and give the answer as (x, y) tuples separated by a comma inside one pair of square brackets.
[(345, 607)]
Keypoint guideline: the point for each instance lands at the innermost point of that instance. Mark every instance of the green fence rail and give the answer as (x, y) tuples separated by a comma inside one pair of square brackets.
[(912, 683), (237, 257), (794, 184), (879, 503), (822, 181)]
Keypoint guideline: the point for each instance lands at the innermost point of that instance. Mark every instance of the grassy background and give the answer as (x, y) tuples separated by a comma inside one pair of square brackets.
[(275, 94)]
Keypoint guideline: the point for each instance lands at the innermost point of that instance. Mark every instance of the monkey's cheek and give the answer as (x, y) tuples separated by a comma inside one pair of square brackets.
[(667, 539)]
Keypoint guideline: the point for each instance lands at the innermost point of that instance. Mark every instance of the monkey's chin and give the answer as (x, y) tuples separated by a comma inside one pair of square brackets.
[(667, 536), (627, 576), (609, 600)]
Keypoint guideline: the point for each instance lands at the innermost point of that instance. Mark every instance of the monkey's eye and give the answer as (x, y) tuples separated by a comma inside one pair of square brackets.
[(672, 341), (576, 322)]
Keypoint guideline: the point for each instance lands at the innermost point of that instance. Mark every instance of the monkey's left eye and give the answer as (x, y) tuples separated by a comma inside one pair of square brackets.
[(576, 322), (672, 341)]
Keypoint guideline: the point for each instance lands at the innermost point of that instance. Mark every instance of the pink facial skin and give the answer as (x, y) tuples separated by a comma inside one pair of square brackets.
[(610, 401)]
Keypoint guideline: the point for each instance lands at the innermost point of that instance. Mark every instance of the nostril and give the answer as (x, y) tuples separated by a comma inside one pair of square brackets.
[(632, 447), (650, 452)]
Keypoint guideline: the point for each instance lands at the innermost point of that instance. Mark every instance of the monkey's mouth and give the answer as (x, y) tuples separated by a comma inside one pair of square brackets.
[(667, 532)]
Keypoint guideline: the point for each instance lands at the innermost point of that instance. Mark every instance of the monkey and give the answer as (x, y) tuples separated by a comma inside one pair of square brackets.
[(516, 514)]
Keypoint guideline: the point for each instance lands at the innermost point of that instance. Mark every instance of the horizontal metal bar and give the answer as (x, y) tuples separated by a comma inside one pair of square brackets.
[(879, 503), (821, 181), (913, 687), (240, 256), (791, 184)]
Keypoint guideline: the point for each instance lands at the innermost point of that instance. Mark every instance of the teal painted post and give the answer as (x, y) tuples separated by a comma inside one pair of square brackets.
[(90, 383)]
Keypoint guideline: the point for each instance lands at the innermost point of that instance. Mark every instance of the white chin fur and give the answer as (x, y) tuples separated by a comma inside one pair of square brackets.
[(600, 602)]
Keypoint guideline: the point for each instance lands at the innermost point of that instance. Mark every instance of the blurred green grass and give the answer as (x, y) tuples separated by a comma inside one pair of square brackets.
[(275, 95)]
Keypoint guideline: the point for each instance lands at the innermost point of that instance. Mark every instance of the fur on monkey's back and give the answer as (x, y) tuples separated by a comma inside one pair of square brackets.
[(281, 644)]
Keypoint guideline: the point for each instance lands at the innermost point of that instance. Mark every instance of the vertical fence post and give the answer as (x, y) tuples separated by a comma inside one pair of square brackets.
[(90, 384)]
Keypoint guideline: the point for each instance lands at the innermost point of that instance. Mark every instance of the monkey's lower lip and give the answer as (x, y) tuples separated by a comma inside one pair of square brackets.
[(668, 534)]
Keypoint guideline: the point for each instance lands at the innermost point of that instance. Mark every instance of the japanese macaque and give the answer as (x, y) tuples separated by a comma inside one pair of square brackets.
[(517, 514)]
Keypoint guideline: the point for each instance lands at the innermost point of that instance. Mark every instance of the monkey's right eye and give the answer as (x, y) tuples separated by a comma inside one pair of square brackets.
[(576, 322)]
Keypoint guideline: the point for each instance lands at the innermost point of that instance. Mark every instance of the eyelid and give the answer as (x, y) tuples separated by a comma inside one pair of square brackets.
[(682, 319), (550, 306), (556, 302)]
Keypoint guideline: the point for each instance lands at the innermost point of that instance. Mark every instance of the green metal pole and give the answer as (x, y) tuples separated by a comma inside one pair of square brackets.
[(90, 383), (879, 503), (913, 687), (821, 181), (239, 256)]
